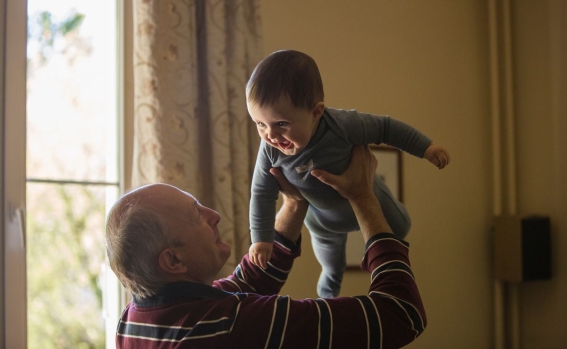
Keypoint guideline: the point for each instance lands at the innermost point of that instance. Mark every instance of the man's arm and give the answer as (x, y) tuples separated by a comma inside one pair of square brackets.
[(289, 220), (291, 215), (395, 308), (391, 315)]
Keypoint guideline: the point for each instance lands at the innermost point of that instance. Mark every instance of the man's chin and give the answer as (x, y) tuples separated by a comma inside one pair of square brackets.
[(225, 250)]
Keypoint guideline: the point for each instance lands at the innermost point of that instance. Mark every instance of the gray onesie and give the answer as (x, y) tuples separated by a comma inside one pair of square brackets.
[(330, 216)]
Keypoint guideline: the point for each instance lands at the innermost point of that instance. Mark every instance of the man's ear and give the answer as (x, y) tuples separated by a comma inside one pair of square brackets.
[(169, 262), (318, 110)]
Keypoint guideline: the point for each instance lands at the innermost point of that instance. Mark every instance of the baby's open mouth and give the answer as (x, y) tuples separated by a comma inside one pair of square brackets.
[(285, 145)]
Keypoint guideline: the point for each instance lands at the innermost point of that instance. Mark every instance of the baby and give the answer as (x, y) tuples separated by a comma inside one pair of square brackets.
[(286, 101)]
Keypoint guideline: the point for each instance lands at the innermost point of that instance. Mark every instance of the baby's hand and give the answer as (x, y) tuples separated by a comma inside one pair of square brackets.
[(437, 155), (260, 253)]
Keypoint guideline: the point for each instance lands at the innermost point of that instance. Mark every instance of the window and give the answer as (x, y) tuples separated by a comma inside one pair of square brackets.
[(73, 172)]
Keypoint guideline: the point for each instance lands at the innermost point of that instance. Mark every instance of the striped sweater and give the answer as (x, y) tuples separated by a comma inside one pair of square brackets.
[(245, 311)]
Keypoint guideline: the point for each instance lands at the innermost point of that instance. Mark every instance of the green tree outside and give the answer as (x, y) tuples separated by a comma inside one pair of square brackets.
[(65, 223)]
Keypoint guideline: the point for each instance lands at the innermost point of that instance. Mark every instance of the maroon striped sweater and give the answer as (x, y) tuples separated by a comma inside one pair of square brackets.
[(245, 311)]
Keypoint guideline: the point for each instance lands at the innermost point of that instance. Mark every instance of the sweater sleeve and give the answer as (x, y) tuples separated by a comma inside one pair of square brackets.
[(391, 315), (363, 128), (264, 194), (248, 277), (405, 137)]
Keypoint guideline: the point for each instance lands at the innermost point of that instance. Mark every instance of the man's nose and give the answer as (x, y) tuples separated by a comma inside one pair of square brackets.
[(213, 217)]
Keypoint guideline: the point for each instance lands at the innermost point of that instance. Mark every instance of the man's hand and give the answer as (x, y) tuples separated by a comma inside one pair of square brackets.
[(260, 253), (356, 185), (286, 188), (357, 181), (437, 155), (289, 219)]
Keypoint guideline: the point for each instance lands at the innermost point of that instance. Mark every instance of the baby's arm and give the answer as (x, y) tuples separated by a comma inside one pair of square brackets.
[(264, 194), (288, 221), (437, 155), (363, 128), (382, 129), (260, 253)]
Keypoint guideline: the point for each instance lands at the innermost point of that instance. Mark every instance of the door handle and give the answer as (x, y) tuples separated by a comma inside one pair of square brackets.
[(19, 214)]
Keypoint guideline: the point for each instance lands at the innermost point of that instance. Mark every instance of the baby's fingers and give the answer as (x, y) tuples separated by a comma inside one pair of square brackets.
[(252, 257), (443, 158), (262, 261), (435, 161)]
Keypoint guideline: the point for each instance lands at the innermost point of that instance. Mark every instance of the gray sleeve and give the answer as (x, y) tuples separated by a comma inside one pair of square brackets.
[(406, 137), (263, 199), (362, 128)]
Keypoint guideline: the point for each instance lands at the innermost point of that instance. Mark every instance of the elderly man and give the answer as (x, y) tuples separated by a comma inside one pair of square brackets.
[(166, 250)]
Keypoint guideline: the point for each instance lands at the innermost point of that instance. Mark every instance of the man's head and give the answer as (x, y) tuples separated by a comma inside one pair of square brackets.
[(158, 234), (285, 99)]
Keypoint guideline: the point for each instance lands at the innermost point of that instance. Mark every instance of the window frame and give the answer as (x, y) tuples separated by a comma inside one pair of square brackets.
[(14, 307), (13, 52)]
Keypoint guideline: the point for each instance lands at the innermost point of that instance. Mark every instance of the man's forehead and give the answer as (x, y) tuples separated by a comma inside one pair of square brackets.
[(162, 196)]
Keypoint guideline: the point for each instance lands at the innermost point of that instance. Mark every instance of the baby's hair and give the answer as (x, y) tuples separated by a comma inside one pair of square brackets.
[(286, 72)]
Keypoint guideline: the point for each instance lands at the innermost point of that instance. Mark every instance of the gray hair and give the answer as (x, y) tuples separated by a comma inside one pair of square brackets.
[(135, 236)]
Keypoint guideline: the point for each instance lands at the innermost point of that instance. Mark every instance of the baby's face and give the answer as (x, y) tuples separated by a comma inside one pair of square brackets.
[(285, 127)]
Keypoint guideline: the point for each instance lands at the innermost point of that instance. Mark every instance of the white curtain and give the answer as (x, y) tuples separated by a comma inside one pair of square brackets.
[(192, 130)]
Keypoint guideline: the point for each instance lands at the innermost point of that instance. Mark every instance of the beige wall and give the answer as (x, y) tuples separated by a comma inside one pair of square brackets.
[(540, 64), (427, 63)]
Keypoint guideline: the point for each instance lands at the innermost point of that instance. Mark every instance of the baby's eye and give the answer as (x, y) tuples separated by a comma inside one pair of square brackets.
[(282, 124), (261, 124)]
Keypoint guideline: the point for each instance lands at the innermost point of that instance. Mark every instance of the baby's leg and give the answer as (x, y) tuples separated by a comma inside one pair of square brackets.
[(394, 211), (329, 249)]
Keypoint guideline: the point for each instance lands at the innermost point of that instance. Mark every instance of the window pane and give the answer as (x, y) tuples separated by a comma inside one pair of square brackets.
[(65, 254), (72, 135), (71, 101)]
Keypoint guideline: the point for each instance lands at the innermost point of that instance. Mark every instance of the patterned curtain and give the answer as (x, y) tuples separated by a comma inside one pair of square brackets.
[(192, 60)]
